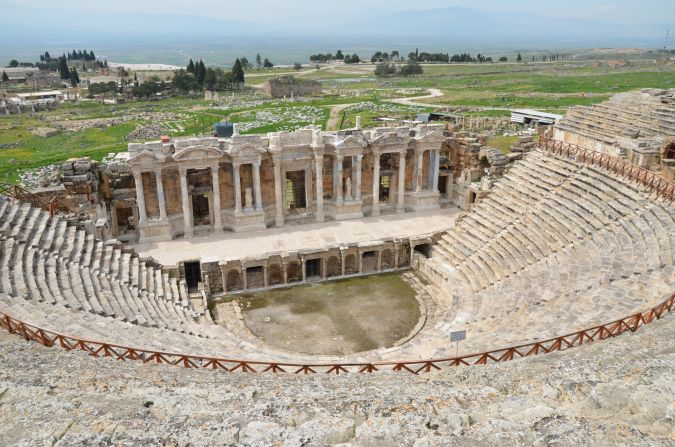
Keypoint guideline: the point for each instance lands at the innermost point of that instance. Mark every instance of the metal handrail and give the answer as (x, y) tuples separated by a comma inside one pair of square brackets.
[(653, 182), (17, 192), (120, 352)]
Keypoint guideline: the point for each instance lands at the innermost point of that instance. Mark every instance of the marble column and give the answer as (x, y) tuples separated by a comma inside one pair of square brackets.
[(318, 164), (419, 170), (237, 187), (160, 194), (278, 195), (185, 196), (340, 181), (256, 186), (437, 167), (430, 173), (140, 196), (357, 186), (376, 185), (217, 216), (400, 204)]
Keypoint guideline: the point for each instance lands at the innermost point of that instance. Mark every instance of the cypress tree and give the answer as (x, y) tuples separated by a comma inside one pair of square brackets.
[(201, 75), (238, 72), (63, 68), (5, 78), (258, 60), (74, 77), (191, 67)]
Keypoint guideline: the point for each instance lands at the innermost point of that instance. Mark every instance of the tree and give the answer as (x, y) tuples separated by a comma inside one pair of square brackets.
[(411, 68), (63, 68), (519, 58), (503, 59), (384, 69), (245, 64), (353, 59), (201, 72), (238, 72), (412, 56), (13, 63), (210, 79), (191, 67), (258, 61), (339, 56), (297, 66), (135, 80), (5, 78), (74, 77), (395, 55), (267, 63)]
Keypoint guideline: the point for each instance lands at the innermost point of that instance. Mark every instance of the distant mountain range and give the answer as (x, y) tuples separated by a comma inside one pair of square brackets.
[(451, 29)]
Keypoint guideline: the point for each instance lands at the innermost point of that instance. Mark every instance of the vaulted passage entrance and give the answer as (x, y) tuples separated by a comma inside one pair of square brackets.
[(296, 195), (193, 276), (200, 209)]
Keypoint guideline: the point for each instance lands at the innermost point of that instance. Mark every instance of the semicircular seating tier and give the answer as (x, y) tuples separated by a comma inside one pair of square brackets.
[(555, 247)]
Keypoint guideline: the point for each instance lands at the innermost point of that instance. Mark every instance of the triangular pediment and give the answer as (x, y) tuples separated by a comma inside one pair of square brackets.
[(390, 139), (145, 156), (351, 142), (197, 153), (431, 137)]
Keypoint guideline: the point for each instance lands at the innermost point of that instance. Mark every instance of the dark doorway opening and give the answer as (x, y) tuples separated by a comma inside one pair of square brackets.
[(296, 201), (442, 185), (125, 221), (424, 249), (200, 209), (313, 268), (385, 187), (193, 276)]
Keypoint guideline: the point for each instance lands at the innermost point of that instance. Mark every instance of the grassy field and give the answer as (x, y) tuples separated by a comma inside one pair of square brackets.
[(478, 89)]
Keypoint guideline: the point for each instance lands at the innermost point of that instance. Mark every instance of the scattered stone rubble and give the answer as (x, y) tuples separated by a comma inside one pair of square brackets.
[(616, 392), (524, 144), (144, 133), (81, 180), (44, 132)]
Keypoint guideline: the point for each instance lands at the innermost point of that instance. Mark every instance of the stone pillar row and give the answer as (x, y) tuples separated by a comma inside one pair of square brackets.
[(432, 182)]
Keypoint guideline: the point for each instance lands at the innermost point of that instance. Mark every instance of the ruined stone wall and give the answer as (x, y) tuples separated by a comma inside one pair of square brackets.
[(150, 194), (226, 186), (287, 86), (172, 192)]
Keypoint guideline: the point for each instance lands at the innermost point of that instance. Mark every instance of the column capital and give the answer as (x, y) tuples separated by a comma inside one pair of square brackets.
[(182, 170), (158, 171), (256, 164)]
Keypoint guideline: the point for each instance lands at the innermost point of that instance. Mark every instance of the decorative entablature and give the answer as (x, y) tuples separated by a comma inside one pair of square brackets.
[(245, 149), (428, 141), (301, 144), (348, 146), (389, 142), (147, 160)]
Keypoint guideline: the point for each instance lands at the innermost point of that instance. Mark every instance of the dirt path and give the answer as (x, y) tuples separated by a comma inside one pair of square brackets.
[(433, 93), (334, 118)]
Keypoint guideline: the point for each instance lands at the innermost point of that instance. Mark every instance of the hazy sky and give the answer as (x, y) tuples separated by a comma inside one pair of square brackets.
[(621, 11)]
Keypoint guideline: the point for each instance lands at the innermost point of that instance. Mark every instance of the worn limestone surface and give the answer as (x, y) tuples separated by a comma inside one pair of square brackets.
[(617, 392)]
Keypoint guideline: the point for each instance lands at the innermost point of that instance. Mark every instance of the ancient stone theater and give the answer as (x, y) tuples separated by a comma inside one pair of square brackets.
[(565, 240)]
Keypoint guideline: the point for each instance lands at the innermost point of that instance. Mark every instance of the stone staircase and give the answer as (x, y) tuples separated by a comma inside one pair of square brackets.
[(631, 114), (556, 247)]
